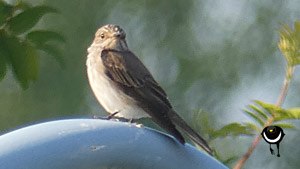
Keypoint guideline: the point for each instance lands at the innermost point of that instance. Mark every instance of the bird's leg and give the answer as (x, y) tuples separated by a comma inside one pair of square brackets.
[(111, 115), (107, 117), (271, 150), (130, 120), (278, 155)]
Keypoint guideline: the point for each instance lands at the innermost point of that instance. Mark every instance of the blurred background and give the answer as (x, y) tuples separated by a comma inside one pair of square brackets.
[(216, 56)]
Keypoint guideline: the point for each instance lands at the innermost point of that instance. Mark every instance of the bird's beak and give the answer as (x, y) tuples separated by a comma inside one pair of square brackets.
[(119, 36)]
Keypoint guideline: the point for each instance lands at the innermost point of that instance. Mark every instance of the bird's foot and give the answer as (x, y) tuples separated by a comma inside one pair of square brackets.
[(139, 125), (106, 117), (133, 122)]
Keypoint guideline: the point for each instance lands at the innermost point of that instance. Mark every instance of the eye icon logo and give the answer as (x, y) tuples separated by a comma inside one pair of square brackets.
[(273, 135)]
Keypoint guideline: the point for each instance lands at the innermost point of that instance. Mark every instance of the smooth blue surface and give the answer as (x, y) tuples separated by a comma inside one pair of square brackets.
[(92, 144)]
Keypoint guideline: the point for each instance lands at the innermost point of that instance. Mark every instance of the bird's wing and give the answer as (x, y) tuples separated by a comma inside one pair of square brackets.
[(117, 69), (127, 70), (134, 79)]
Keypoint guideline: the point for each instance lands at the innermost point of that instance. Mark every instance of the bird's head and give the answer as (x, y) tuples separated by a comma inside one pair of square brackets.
[(110, 37)]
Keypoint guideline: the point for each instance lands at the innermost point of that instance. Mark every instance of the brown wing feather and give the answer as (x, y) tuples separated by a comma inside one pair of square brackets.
[(115, 65), (122, 69), (133, 78)]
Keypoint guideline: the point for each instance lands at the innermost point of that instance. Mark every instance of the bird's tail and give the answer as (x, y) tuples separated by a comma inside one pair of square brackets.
[(184, 127)]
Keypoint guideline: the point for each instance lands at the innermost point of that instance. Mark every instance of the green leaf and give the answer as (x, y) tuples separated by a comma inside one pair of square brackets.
[(268, 107), (201, 117), (23, 5), (216, 154), (294, 112), (289, 44), (31, 61), (40, 37), (3, 67), (284, 35), (262, 113), (254, 127), (297, 28), (281, 114), (230, 160), (22, 57), (255, 117), (233, 129), (28, 18), (3, 62), (272, 109), (285, 125), (280, 118), (54, 51), (287, 29), (5, 12)]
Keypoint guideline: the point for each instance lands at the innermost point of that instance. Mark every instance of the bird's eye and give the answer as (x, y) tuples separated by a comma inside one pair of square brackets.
[(102, 36)]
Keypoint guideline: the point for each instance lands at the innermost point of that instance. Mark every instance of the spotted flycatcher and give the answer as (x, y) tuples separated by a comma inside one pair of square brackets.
[(125, 87)]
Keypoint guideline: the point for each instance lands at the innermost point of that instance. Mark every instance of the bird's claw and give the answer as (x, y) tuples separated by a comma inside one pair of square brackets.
[(107, 117)]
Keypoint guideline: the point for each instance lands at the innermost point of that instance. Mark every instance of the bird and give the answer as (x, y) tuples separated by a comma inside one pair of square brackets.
[(125, 88)]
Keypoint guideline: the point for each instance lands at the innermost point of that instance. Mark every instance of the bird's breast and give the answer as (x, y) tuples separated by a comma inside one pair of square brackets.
[(108, 94)]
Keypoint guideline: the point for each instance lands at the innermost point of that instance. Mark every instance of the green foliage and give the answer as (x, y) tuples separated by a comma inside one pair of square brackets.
[(294, 113), (253, 127), (260, 112), (25, 20), (255, 117), (265, 114), (289, 114), (5, 11), (273, 111), (285, 125), (201, 121), (226, 161), (277, 112), (269, 108), (229, 160), (53, 50), (22, 56), (21, 52), (40, 37), (3, 67), (232, 129), (289, 43), (21, 5)]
